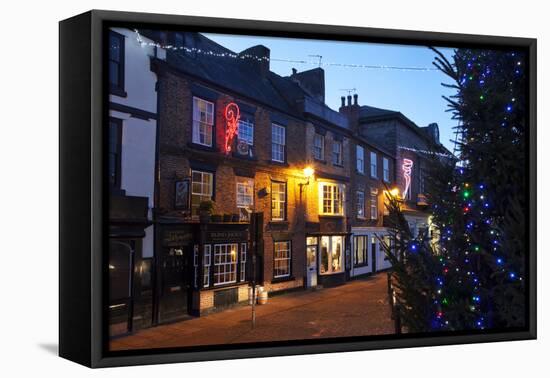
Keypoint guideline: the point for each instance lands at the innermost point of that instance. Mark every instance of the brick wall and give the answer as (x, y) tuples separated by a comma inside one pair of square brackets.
[(391, 134), (364, 181), (177, 155)]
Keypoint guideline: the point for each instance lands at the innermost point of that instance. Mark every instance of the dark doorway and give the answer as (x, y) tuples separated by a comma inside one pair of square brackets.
[(121, 282), (175, 271)]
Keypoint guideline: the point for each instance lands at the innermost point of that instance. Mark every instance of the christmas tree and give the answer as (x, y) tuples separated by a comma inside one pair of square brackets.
[(477, 264)]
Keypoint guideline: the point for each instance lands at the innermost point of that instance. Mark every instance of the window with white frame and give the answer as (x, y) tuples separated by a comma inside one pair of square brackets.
[(360, 152), (331, 198), (373, 165), (386, 167), (373, 203), (319, 146), (245, 193), (245, 132), (278, 143), (337, 152), (360, 204), (360, 245), (206, 261), (225, 263), (202, 188), (281, 259), (203, 121), (278, 201), (195, 265), (243, 262)]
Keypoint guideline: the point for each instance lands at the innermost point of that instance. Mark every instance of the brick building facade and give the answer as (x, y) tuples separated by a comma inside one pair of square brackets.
[(261, 173), (372, 175)]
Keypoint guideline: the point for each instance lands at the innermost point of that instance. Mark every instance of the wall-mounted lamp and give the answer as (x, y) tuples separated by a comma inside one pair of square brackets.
[(308, 173), (394, 192)]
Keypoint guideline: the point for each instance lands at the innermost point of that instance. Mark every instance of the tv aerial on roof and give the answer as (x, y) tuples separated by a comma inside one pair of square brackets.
[(320, 58), (349, 90)]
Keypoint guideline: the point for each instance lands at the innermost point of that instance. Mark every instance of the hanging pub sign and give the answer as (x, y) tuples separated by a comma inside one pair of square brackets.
[(182, 197)]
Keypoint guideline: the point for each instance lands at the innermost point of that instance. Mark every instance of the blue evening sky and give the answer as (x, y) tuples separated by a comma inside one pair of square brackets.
[(416, 94)]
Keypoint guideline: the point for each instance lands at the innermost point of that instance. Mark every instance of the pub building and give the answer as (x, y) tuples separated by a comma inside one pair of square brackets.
[(228, 136)]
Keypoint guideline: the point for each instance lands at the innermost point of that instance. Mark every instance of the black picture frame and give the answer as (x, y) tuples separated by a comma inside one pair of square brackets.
[(182, 187), (84, 197)]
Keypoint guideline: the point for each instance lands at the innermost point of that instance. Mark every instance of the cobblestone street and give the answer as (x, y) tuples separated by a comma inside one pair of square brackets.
[(355, 309)]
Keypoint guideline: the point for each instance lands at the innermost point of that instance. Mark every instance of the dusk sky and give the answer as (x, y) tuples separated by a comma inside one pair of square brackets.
[(416, 94)]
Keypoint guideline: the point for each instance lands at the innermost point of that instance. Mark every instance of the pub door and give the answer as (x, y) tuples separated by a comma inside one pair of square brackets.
[(175, 280)]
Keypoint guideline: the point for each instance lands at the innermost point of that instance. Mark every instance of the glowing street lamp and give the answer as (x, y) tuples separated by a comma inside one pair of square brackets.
[(308, 173)]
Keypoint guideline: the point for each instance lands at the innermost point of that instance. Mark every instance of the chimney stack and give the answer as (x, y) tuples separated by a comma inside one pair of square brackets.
[(294, 71), (355, 96), (343, 98), (349, 100), (258, 58)]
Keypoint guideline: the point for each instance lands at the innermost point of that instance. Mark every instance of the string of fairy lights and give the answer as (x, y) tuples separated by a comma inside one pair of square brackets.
[(478, 218), (427, 152), (320, 63)]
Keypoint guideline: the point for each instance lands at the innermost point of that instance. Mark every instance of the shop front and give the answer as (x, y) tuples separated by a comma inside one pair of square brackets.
[(202, 267), (368, 254), (326, 259)]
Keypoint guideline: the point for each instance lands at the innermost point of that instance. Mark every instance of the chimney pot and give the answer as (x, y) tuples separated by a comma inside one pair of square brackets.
[(355, 96), (343, 101), (349, 100)]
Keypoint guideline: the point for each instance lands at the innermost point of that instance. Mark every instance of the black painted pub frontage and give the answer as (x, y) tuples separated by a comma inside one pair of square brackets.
[(197, 268)]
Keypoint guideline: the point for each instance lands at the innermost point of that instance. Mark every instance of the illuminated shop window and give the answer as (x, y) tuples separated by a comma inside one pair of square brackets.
[(332, 248)]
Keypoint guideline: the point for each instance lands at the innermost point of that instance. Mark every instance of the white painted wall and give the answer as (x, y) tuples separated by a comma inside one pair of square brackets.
[(381, 263), (148, 242), (139, 81), (138, 156), (138, 135)]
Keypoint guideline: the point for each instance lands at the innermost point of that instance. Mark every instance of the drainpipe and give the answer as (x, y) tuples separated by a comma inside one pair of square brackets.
[(156, 201)]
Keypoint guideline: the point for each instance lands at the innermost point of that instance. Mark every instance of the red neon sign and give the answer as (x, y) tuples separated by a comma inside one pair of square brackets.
[(232, 116)]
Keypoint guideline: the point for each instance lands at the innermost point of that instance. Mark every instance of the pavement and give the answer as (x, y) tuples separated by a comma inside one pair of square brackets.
[(357, 308)]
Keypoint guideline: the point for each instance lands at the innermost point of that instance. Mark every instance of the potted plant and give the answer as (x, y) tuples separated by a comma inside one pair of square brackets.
[(216, 218), (227, 217), (205, 211), (235, 218)]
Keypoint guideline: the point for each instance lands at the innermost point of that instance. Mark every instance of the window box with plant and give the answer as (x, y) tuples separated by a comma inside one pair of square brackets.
[(206, 208)]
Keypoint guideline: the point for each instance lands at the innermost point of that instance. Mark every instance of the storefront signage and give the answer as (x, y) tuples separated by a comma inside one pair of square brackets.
[(177, 238), (226, 236)]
